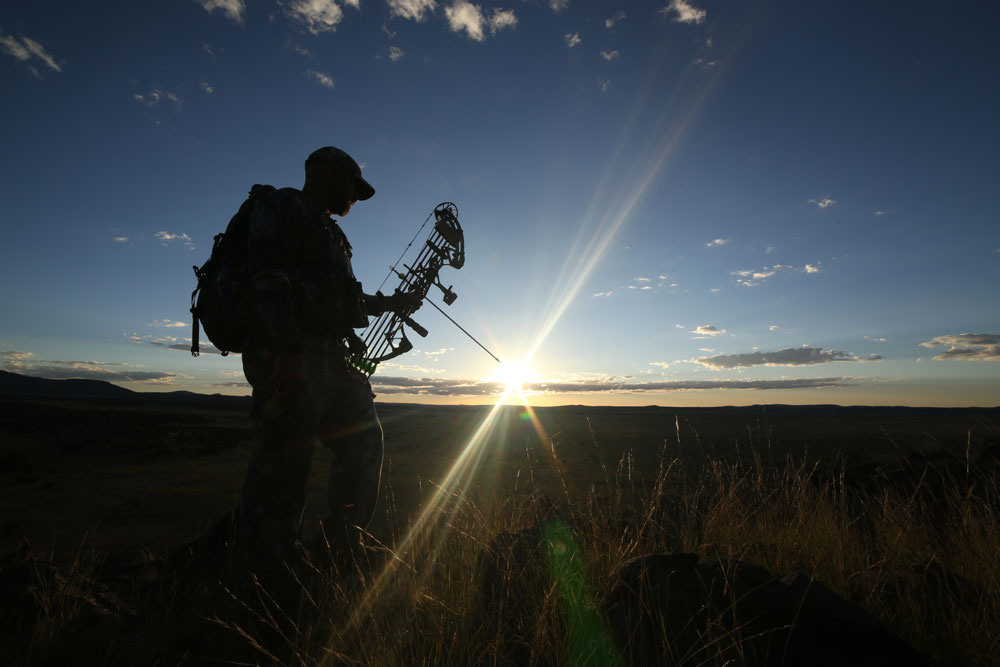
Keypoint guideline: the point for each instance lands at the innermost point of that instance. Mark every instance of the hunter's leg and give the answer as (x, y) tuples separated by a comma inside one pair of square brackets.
[(354, 436)]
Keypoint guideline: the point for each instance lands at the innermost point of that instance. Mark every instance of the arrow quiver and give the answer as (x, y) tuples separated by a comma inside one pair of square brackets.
[(385, 338)]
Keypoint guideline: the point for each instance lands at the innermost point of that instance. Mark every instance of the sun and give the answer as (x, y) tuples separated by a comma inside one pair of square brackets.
[(513, 375)]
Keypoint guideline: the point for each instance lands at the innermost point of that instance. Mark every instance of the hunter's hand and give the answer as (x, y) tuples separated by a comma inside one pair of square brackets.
[(403, 303)]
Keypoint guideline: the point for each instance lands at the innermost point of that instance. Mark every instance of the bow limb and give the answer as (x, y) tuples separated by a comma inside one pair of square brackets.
[(445, 246)]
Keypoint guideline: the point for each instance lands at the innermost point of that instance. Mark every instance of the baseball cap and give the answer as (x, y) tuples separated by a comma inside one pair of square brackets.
[(341, 159)]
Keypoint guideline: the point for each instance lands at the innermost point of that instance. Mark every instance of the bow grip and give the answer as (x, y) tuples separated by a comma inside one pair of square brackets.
[(422, 332)]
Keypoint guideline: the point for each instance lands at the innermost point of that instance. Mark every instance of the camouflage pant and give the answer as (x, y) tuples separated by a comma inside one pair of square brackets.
[(336, 411)]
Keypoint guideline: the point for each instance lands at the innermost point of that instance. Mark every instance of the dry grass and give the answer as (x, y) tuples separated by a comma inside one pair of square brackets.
[(928, 567)]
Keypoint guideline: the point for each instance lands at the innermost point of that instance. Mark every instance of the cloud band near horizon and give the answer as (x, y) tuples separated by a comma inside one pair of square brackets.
[(791, 356), (443, 387)]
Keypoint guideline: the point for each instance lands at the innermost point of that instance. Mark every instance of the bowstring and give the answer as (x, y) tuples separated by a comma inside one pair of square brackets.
[(392, 269), (375, 334)]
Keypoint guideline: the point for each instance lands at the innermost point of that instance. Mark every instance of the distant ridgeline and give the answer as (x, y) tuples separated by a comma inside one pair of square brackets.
[(14, 385), (24, 385)]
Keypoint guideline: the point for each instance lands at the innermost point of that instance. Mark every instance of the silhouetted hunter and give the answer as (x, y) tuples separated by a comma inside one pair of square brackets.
[(307, 303)]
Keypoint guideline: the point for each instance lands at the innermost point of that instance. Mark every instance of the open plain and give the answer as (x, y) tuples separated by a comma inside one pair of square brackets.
[(139, 470), (761, 535)]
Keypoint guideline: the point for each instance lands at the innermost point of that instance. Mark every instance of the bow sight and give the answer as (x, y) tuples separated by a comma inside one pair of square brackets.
[(386, 338)]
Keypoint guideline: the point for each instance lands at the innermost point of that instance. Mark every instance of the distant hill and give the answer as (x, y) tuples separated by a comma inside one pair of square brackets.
[(24, 385), (14, 385)]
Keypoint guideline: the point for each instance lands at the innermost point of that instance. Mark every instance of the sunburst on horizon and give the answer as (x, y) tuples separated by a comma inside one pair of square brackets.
[(513, 375)]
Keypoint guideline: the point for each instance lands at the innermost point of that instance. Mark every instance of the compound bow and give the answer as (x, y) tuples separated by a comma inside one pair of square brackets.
[(385, 338)]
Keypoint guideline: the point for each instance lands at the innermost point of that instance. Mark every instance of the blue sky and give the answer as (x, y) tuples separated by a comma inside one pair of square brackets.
[(672, 202)]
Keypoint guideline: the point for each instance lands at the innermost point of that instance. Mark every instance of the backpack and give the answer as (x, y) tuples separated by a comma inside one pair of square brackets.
[(218, 301)]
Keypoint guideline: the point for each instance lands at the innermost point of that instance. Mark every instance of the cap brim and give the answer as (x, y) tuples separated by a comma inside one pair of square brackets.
[(365, 190)]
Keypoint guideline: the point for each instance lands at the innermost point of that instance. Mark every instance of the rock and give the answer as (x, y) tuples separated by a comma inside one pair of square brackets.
[(668, 609), (135, 568)]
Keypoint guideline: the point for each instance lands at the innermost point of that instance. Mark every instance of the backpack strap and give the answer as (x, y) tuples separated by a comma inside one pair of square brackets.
[(195, 349)]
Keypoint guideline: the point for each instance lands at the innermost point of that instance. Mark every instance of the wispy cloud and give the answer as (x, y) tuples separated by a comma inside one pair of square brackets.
[(412, 9), (157, 95), (754, 277), (558, 5), (706, 330), (823, 202), (323, 78), (10, 358), (207, 87), (751, 278), (316, 16), (292, 45), (120, 239), (233, 9), (413, 368), (464, 16), (792, 356), (716, 242), (432, 354), (572, 39), (171, 324), (609, 55), (24, 363), (501, 19), (395, 53), (684, 12), (166, 238), (175, 343), (638, 284), (967, 347), (604, 85), (29, 51), (445, 387), (610, 23)]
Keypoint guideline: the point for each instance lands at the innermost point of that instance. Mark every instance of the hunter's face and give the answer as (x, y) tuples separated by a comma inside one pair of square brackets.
[(342, 188)]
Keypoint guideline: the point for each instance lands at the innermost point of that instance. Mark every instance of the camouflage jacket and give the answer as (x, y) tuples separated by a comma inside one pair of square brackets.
[(299, 265)]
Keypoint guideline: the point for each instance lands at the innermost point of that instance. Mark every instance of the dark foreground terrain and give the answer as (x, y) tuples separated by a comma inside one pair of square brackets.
[(763, 535), (87, 459)]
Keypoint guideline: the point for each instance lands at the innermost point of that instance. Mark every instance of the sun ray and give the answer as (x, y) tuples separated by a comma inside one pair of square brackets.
[(431, 525), (574, 275)]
